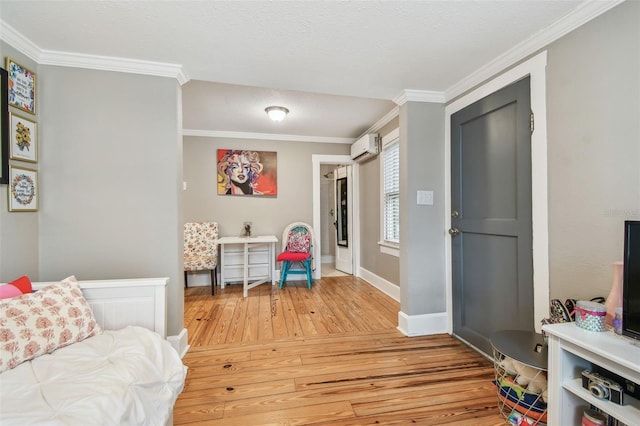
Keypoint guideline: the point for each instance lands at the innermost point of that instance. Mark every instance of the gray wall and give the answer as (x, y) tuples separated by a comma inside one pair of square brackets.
[(269, 215), (381, 264), (19, 244), (593, 101), (593, 150), (422, 273), (110, 166)]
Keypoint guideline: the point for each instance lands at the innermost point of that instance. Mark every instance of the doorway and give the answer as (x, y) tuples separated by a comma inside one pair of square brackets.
[(324, 177), (334, 234), (535, 68)]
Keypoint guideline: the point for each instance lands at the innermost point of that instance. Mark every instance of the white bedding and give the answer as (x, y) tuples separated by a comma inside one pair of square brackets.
[(126, 377)]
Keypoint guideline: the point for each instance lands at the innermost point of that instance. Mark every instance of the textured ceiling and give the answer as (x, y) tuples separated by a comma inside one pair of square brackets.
[(372, 50)]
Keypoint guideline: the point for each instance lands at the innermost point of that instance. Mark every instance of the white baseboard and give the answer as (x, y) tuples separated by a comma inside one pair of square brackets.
[(180, 342), (387, 287), (327, 258), (409, 325), (423, 324)]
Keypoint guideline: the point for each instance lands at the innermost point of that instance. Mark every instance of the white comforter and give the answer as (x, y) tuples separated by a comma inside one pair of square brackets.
[(125, 377)]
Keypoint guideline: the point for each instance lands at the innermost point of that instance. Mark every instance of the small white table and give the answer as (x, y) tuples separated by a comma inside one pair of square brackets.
[(243, 263)]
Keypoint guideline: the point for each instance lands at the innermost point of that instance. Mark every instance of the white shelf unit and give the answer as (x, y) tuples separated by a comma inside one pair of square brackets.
[(259, 265), (572, 350), (247, 260)]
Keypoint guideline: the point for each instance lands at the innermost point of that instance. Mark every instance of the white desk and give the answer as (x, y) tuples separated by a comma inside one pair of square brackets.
[(250, 260)]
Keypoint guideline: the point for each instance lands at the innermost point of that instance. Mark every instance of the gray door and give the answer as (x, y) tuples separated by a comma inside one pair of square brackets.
[(492, 257)]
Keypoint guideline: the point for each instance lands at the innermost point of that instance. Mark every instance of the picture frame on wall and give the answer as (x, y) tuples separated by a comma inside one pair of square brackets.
[(4, 127), (247, 172), (24, 139), (23, 189), (22, 87)]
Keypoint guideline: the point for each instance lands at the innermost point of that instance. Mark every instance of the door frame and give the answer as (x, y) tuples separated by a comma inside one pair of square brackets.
[(534, 67), (316, 161)]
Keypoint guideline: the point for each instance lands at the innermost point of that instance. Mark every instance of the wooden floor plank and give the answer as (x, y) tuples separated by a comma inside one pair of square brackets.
[(307, 415), (265, 319), (251, 325), (239, 319), (329, 356)]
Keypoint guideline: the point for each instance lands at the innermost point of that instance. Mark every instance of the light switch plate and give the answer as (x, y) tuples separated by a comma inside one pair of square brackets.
[(425, 198)]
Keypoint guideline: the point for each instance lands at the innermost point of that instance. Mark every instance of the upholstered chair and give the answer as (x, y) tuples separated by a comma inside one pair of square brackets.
[(201, 249)]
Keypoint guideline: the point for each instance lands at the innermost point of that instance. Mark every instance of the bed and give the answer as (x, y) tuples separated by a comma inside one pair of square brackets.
[(111, 364)]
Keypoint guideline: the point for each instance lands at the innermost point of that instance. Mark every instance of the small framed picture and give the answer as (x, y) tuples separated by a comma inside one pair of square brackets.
[(24, 139), (23, 189), (4, 128), (22, 87)]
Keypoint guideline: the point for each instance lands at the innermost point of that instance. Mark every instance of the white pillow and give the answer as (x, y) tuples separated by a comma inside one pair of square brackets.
[(39, 323)]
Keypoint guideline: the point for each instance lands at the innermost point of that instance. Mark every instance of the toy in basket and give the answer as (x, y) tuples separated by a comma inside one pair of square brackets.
[(522, 391)]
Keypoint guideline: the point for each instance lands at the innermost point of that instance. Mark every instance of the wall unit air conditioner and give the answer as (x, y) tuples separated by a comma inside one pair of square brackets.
[(365, 147)]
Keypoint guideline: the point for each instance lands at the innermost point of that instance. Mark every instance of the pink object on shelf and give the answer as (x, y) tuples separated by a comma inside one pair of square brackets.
[(614, 299)]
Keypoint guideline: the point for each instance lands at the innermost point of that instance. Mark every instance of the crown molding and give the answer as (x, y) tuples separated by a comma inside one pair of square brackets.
[(76, 60), (264, 136), (19, 42), (409, 95), (105, 63), (382, 122), (580, 16)]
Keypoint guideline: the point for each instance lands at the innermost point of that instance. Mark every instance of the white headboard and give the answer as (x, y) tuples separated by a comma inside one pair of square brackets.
[(118, 303)]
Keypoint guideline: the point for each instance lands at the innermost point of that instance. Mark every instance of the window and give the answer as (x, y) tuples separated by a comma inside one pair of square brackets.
[(390, 197)]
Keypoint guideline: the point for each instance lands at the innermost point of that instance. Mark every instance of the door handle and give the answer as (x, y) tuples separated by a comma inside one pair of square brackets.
[(454, 232)]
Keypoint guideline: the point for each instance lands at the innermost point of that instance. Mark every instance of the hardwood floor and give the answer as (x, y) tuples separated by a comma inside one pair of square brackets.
[(329, 356)]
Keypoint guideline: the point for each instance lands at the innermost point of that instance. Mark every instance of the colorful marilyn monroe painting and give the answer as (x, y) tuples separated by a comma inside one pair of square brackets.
[(244, 172)]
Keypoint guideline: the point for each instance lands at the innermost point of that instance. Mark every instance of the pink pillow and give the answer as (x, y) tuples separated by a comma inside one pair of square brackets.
[(298, 242), (8, 291), (38, 323)]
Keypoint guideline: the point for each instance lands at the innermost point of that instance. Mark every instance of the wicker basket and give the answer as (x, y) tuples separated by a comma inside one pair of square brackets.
[(520, 385)]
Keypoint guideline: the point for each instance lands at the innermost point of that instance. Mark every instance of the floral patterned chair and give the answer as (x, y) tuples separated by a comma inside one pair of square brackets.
[(201, 249), (297, 247)]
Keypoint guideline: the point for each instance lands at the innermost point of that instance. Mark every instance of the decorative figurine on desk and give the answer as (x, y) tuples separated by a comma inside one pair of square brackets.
[(247, 229)]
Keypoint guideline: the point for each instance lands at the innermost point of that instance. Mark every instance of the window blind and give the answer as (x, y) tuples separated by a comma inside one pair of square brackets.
[(391, 190)]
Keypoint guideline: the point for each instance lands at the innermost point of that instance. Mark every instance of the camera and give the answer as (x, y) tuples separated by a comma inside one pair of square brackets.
[(601, 387)]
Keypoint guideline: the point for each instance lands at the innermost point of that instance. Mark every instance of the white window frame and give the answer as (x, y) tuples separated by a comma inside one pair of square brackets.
[(386, 247)]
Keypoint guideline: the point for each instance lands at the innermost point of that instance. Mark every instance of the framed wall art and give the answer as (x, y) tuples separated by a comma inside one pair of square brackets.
[(23, 189), (23, 139), (4, 127), (22, 87), (245, 172)]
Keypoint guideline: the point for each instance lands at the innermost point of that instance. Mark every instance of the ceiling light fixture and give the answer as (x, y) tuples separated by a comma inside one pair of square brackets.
[(276, 113)]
